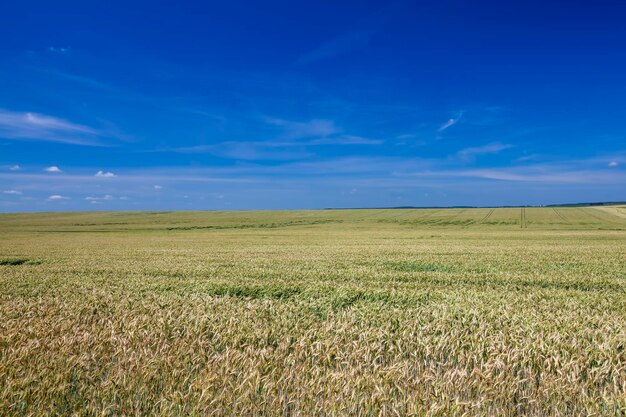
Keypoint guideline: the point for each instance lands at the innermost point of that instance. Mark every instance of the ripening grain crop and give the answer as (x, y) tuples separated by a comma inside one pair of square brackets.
[(451, 312)]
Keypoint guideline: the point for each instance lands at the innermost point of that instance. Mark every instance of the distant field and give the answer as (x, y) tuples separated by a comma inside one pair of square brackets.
[(398, 312)]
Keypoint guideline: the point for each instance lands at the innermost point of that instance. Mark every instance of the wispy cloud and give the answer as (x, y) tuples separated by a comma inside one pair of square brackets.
[(316, 131), (490, 148), (35, 126), (276, 150), (312, 128), (337, 46), (558, 173), (14, 168), (346, 140), (450, 122), (59, 49), (292, 142), (358, 36), (53, 168), (158, 187), (255, 151), (406, 136), (538, 174), (613, 164), (107, 197), (531, 157), (247, 151), (12, 192), (83, 81), (57, 197), (103, 174)]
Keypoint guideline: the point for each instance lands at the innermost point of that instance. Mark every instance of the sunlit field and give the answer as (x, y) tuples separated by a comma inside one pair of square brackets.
[(416, 312)]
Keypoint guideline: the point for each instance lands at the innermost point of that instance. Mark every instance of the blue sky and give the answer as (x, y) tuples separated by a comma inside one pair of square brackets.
[(267, 105)]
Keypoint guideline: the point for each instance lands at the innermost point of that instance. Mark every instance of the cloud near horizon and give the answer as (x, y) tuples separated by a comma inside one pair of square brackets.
[(376, 178), (106, 197)]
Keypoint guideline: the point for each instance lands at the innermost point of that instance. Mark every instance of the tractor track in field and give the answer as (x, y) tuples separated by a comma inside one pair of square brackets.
[(374, 213), (402, 214), (484, 219), (458, 214), (427, 215), (455, 218), (559, 215), (523, 223), (595, 214)]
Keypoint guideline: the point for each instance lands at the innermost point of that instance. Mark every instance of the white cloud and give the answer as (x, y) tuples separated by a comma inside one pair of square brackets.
[(613, 164), (13, 192), (14, 168), (451, 122), (53, 168), (105, 174), (34, 126), (158, 187), (57, 197)]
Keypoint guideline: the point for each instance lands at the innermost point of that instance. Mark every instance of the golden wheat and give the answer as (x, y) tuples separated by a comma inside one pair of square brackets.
[(333, 313)]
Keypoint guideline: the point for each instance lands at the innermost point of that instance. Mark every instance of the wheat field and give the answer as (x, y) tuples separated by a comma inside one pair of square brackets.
[(398, 312)]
